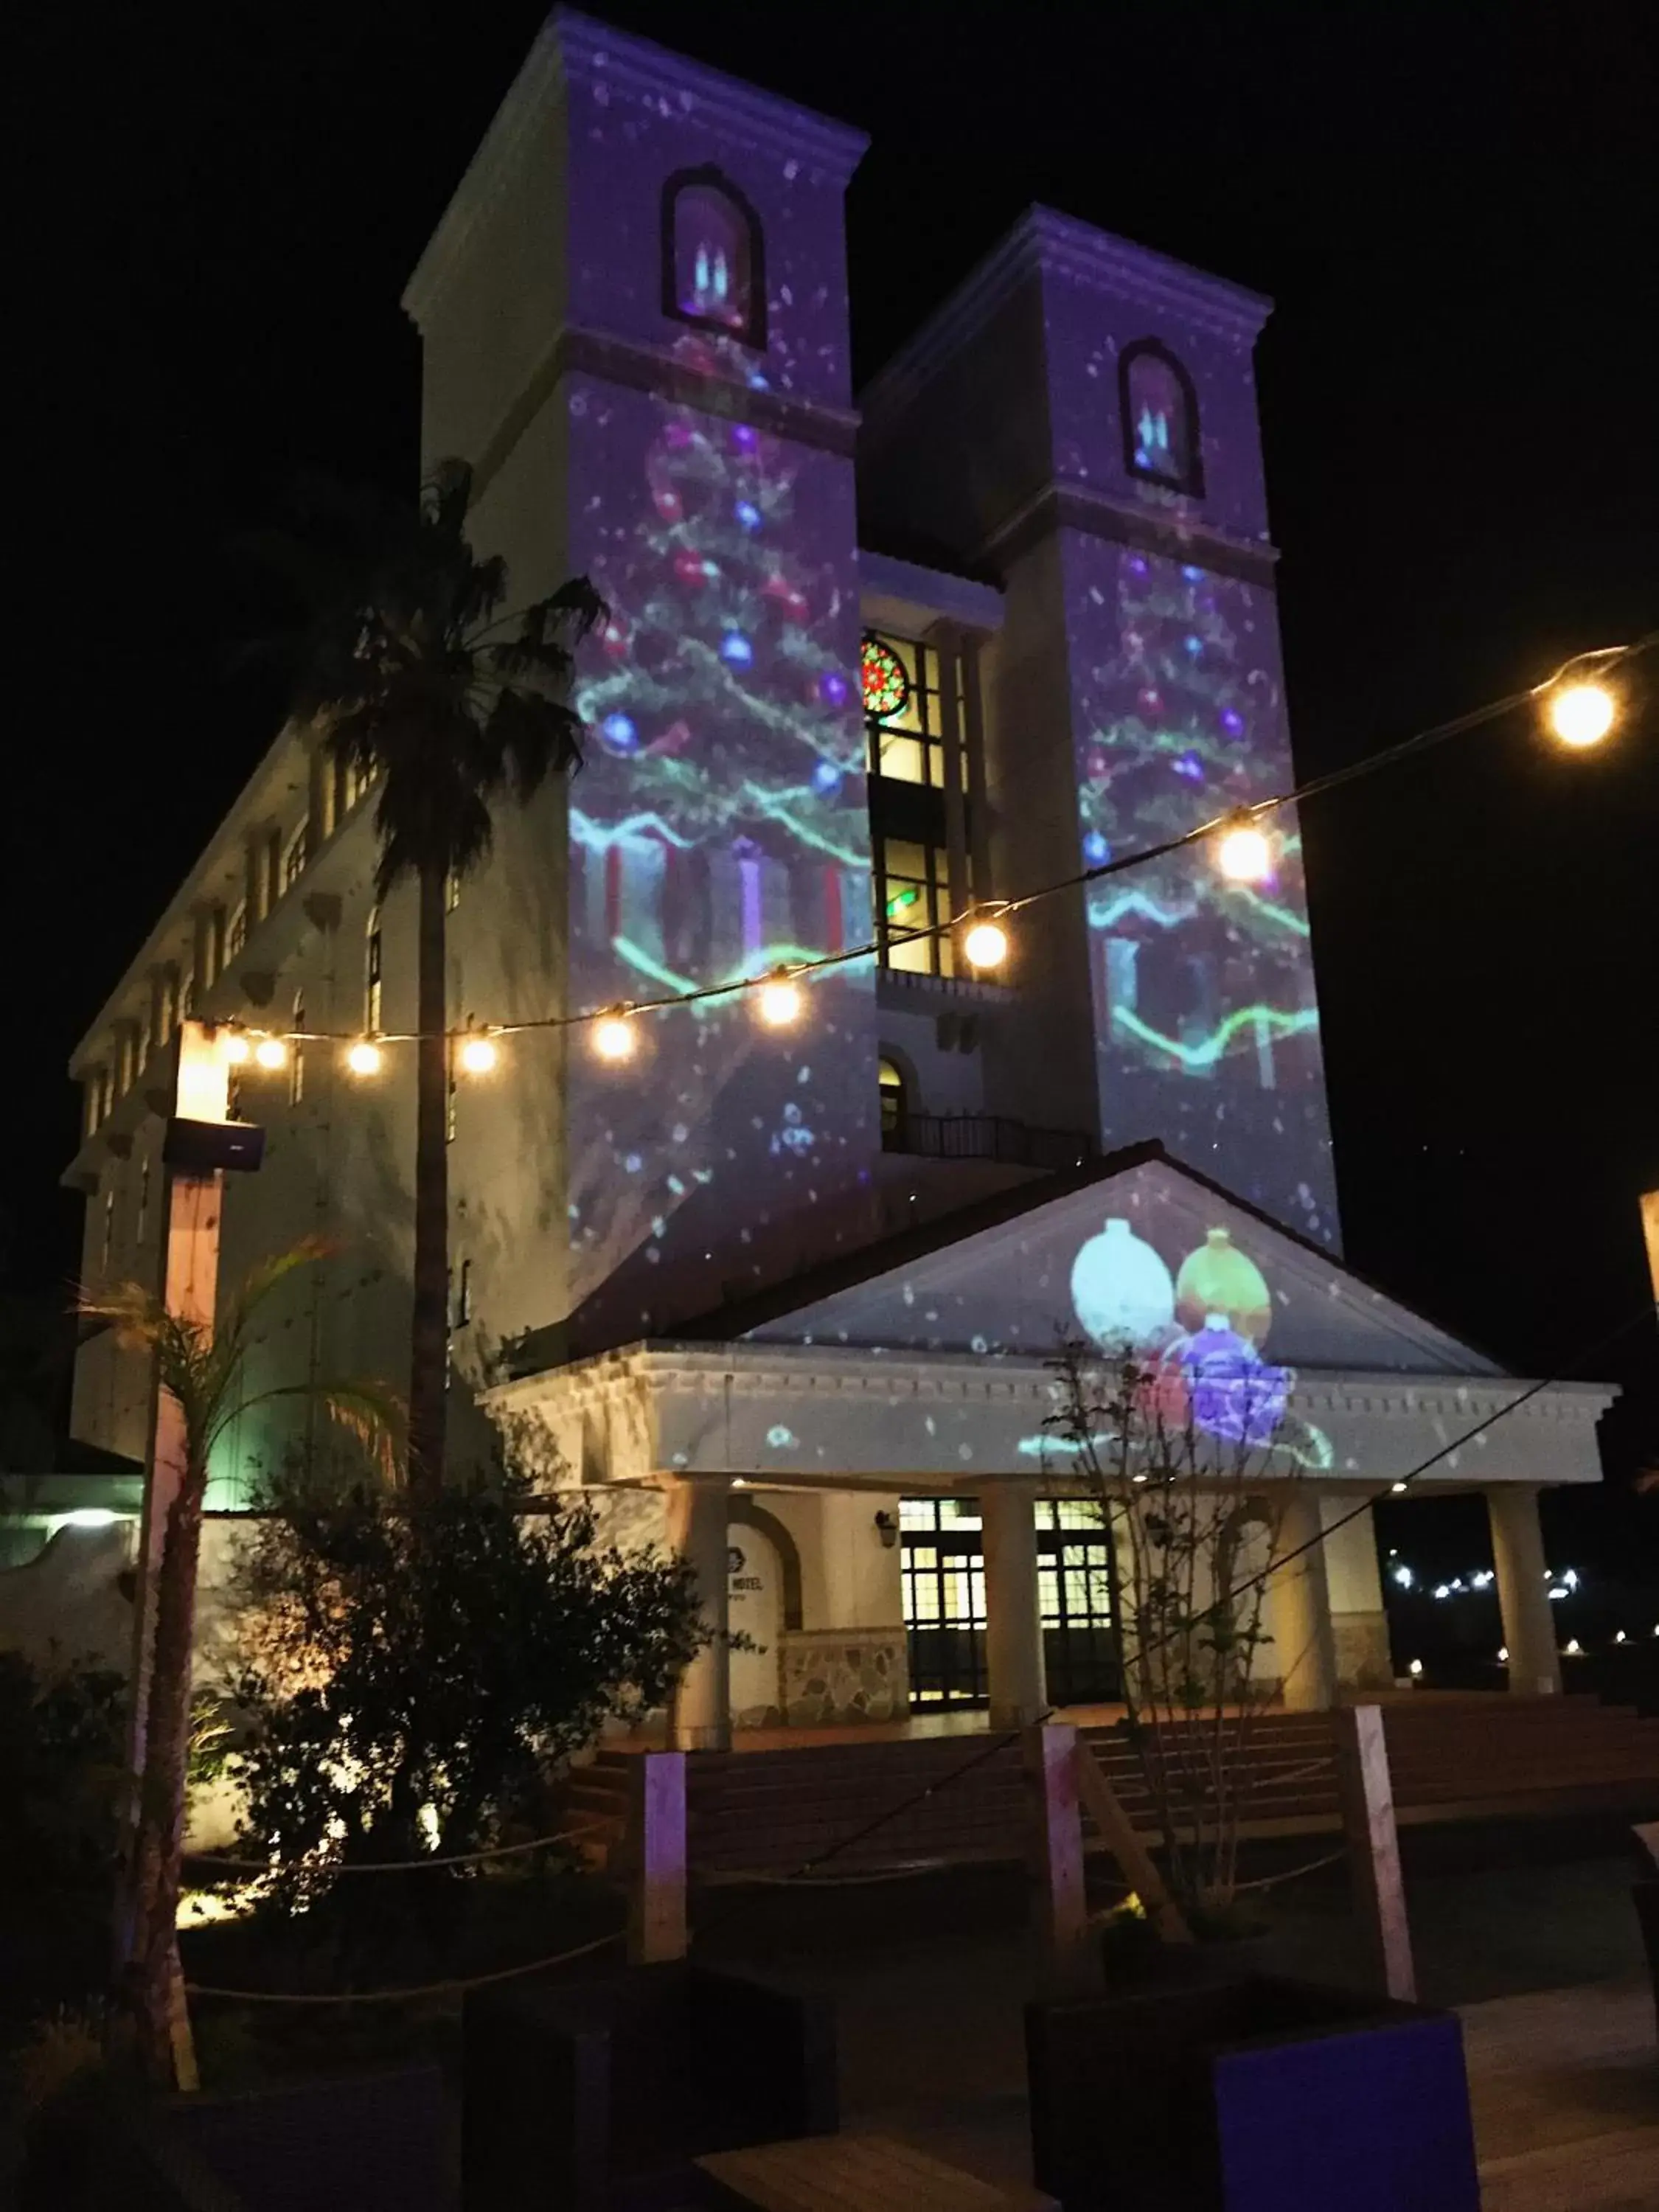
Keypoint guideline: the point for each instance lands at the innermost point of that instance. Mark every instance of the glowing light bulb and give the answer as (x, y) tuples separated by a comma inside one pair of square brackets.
[(613, 1036), (364, 1058), (1244, 854), (478, 1055), (1574, 1648), (238, 1051), (1503, 1653), (271, 1052), (1397, 1487), (1581, 713), (1415, 1668), (780, 999), (1620, 1637), (986, 944)]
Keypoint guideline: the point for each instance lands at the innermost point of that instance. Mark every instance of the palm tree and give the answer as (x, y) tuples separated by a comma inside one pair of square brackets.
[(202, 1369), (411, 673)]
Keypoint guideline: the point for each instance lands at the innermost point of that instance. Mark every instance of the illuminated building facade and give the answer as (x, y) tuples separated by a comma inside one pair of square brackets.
[(864, 668)]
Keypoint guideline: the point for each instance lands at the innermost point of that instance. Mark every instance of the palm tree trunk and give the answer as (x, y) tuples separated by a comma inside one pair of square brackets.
[(429, 1334), (158, 1845)]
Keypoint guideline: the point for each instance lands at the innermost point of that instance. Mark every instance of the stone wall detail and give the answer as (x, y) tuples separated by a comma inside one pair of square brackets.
[(1363, 1658), (841, 1677)]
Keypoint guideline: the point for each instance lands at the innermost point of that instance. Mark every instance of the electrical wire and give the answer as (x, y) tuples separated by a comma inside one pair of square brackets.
[(1601, 658)]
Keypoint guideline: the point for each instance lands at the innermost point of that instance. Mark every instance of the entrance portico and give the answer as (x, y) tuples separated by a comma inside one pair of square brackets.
[(920, 1369)]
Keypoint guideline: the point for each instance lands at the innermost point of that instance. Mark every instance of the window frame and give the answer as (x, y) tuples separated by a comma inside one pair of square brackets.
[(1191, 485), (709, 175), (373, 977), (936, 880)]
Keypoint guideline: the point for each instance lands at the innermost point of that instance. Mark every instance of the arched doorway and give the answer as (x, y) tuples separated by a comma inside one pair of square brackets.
[(764, 1600)]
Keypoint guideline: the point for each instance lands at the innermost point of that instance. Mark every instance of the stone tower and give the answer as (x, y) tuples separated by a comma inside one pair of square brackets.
[(634, 317), (1080, 422)]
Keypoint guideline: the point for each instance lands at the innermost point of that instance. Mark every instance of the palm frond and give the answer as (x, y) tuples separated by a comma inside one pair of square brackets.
[(131, 1311), (372, 1414), (262, 1279)]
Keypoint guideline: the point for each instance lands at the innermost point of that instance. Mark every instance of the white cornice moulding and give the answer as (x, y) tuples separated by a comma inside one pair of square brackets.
[(856, 1374), (933, 594)]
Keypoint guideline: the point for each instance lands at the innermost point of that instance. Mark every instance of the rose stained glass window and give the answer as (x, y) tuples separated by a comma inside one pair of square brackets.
[(886, 682)]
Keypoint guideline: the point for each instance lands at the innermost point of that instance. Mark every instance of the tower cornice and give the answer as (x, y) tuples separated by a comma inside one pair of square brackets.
[(1044, 243), (573, 50)]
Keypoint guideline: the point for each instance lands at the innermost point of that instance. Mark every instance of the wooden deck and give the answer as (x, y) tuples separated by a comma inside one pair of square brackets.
[(945, 1790), (1564, 2085)]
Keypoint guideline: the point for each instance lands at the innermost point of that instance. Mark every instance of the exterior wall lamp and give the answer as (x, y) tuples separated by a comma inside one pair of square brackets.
[(887, 1528)]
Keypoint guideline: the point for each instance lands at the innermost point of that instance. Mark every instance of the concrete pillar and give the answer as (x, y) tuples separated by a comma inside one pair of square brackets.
[(1013, 1631), (1518, 1553), (1359, 1624), (1298, 1606), (699, 1715)]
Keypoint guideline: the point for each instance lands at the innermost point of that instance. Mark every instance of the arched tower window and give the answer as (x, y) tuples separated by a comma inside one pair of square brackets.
[(1161, 436), (713, 256)]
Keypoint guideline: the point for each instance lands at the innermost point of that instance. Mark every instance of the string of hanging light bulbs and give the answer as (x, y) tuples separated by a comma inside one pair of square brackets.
[(1580, 708)]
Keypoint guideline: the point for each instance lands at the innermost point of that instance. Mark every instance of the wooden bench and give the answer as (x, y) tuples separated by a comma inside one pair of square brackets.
[(853, 2174)]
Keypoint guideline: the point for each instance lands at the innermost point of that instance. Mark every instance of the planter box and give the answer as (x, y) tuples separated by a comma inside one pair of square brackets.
[(1253, 2095), (596, 2096)]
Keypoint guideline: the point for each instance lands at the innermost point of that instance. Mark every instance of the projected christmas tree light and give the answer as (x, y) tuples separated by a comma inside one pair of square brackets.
[(718, 830), (1206, 1023)]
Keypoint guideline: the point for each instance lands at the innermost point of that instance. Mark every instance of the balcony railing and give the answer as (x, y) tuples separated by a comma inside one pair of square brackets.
[(987, 1137)]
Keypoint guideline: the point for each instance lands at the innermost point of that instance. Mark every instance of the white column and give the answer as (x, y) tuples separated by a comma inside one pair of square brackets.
[(699, 1715), (1518, 1553), (1013, 1631), (1298, 1608)]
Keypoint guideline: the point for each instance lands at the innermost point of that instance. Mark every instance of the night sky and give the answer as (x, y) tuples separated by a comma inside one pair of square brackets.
[(218, 208)]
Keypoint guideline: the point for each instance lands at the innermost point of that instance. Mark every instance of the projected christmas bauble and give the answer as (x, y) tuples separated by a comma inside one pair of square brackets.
[(1220, 1279), (1122, 1291)]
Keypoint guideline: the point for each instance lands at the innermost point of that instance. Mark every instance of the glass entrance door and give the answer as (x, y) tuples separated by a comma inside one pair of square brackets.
[(943, 1585), (1074, 1586), (944, 1577)]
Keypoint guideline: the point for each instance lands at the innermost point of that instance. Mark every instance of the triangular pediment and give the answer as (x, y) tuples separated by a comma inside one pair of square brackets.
[(1143, 1256)]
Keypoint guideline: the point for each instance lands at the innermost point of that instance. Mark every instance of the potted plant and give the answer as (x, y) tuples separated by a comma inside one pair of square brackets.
[(1183, 1460), (1188, 2082)]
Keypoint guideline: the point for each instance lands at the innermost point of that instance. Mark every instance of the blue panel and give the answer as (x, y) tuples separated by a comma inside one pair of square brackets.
[(1377, 2121)]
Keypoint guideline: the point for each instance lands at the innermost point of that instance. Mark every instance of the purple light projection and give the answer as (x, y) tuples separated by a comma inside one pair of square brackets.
[(719, 830), (1206, 1023)]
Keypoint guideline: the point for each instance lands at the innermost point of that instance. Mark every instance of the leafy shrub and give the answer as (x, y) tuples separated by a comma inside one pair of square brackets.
[(415, 1662), (62, 1784)]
